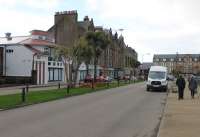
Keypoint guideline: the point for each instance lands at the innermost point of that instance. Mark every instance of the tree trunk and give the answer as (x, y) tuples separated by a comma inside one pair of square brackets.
[(66, 72), (95, 69), (75, 77), (87, 68)]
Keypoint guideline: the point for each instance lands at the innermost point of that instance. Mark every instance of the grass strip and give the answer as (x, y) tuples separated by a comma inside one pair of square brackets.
[(14, 100)]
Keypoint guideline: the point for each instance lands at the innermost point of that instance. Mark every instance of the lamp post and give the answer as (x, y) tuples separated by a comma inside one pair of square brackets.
[(144, 55), (120, 30), (143, 71), (176, 61)]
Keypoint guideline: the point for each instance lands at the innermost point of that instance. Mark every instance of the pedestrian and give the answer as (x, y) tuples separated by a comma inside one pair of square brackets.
[(192, 86), (180, 82)]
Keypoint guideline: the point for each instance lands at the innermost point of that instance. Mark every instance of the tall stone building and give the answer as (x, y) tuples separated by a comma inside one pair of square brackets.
[(183, 63), (67, 30)]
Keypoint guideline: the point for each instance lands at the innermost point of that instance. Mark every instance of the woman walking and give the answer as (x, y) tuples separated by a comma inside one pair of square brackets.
[(192, 86)]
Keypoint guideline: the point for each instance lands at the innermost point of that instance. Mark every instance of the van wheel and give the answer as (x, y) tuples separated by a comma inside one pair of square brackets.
[(148, 89)]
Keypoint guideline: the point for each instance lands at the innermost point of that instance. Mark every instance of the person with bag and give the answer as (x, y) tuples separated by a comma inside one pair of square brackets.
[(192, 86)]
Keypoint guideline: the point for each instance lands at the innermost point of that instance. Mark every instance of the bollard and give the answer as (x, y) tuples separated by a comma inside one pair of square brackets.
[(58, 85), (92, 84), (68, 89), (118, 82), (27, 88), (23, 95)]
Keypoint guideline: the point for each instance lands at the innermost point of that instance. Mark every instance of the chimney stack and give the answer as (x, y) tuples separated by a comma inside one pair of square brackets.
[(8, 36), (86, 18)]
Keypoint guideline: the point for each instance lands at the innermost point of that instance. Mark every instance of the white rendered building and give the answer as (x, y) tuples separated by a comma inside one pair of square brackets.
[(30, 57)]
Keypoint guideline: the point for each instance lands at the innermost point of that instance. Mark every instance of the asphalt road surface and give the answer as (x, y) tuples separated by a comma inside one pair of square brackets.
[(127, 111)]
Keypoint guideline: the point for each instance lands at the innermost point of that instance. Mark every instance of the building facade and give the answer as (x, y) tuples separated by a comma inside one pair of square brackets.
[(30, 57), (183, 63), (115, 60)]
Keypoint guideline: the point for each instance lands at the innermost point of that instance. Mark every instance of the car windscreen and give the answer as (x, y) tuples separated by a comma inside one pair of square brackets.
[(157, 75)]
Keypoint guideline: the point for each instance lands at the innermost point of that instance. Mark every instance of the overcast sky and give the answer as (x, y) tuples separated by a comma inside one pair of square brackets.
[(150, 26)]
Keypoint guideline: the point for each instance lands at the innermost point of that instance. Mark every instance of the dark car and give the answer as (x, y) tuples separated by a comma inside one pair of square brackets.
[(171, 77), (88, 78)]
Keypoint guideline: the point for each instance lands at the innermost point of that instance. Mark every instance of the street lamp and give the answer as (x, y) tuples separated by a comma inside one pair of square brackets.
[(144, 55), (176, 60), (120, 30)]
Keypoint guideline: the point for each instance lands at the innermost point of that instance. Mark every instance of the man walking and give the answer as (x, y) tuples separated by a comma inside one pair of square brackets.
[(192, 86), (180, 82)]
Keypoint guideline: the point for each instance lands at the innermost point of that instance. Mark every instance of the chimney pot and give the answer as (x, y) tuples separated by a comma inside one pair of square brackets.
[(8, 36)]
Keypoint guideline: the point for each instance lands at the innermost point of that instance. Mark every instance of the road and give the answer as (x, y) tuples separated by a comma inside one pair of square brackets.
[(121, 112)]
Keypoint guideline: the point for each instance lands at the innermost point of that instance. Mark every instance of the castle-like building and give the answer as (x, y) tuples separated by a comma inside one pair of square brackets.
[(114, 60)]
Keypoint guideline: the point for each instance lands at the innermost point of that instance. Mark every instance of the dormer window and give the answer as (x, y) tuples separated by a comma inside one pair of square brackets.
[(40, 37)]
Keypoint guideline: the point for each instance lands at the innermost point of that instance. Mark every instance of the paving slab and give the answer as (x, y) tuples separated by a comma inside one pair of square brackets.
[(181, 117)]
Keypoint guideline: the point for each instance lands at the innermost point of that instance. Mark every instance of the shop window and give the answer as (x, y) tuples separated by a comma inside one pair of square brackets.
[(55, 74)]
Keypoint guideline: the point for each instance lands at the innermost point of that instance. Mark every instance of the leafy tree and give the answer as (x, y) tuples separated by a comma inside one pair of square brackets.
[(99, 42), (81, 53), (134, 64), (176, 72), (64, 53), (137, 64)]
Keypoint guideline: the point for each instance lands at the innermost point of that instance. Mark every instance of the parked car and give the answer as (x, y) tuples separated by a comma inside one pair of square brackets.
[(108, 79), (133, 78), (170, 77), (88, 78), (126, 77)]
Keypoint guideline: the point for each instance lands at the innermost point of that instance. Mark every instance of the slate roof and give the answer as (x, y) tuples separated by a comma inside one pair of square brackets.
[(37, 42), (15, 40), (25, 40), (169, 56), (145, 66), (84, 24)]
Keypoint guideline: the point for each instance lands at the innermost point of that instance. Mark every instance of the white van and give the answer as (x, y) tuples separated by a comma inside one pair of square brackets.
[(157, 78)]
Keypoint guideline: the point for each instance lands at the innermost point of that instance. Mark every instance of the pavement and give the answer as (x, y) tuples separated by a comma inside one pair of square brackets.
[(127, 111), (181, 117)]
